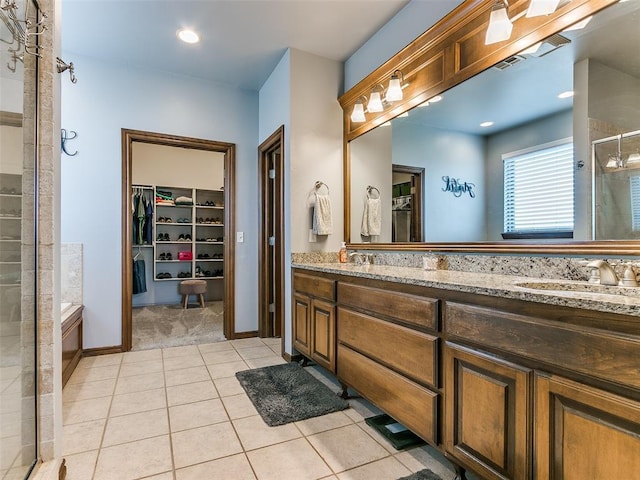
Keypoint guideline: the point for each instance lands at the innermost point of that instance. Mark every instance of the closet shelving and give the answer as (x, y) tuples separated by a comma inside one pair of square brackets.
[(196, 231), (10, 229)]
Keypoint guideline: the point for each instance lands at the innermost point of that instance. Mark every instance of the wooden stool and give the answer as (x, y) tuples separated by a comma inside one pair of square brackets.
[(192, 287)]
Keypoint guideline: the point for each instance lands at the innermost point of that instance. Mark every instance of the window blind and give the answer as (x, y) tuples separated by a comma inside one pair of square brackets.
[(635, 203), (538, 190)]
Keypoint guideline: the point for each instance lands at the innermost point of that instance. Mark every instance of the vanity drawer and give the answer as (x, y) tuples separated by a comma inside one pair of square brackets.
[(420, 311), (402, 349), (314, 286), (586, 350), (409, 403)]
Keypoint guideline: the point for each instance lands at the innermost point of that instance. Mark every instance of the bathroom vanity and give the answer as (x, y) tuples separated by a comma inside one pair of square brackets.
[(508, 380)]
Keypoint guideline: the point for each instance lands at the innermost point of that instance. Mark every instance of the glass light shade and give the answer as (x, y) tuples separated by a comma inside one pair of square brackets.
[(634, 159), (357, 115), (375, 103), (394, 92), (500, 26), (613, 162), (542, 7)]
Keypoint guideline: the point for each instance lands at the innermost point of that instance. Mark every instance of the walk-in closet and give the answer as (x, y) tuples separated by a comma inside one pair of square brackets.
[(177, 219)]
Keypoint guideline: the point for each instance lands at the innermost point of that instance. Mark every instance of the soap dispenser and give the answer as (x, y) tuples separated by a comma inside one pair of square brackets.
[(342, 254)]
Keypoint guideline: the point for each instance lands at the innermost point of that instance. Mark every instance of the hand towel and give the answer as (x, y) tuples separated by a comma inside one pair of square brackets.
[(371, 217), (322, 223)]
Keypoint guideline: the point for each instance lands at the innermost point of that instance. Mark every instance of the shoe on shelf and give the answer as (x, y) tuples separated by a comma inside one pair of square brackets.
[(181, 238), (169, 256), (162, 257), (167, 238), (187, 237)]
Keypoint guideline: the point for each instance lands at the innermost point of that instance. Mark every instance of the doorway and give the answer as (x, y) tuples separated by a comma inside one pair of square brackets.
[(407, 197), (271, 250), (188, 219)]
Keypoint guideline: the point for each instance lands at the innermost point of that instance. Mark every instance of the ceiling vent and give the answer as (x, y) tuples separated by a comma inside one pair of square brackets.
[(509, 62), (550, 44)]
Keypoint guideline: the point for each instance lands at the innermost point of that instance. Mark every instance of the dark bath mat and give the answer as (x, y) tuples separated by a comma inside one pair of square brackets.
[(287, 393), (425, 474)]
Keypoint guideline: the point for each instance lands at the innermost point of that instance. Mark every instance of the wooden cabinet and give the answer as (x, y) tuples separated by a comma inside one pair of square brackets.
[(584, 432), (314, 320), (487, 413)]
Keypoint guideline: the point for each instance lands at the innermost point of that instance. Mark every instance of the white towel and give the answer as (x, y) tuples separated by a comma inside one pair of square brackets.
[(371, 217), (322, 223)]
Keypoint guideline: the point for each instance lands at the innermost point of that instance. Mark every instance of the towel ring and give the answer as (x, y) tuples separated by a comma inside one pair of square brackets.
[(371, 189), (320, 184)]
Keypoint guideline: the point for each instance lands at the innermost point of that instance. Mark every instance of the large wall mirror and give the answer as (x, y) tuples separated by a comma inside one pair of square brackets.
[(541, 148)]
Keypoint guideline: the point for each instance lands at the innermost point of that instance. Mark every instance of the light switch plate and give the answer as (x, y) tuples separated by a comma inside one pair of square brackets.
[(240, 237)]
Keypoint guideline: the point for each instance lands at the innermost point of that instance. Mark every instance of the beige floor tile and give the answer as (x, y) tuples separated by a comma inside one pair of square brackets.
[(235, 467), (215, 347), (185, 361), (191, 392), (254, 433), (204, 444), (419, 458), (140, 383), (215, 358), (226, 369), (88, 390), (162, 476), (254, 352), (386, 469), (134, 460), (277, 349), (199, 414), (378, 437), (85, 410), (81, 375), (173, 352), (323, 423), (347, 447), (142, 356), (239, 406), (100, 360), (271, 341), (138, 402), (265, 361), (82, 437), (330, 477), (141, 368), (186, 375), (228, 386), (247, 342), (277, 462), (137, 426), (81, 465)]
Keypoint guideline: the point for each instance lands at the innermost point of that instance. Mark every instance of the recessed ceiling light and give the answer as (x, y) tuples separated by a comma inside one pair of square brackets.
[(567, 94), (188, 36), (435, 99), (486, 124)]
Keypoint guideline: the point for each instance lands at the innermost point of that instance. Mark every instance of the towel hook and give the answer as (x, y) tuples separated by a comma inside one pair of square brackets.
[(320, 184), (370, 189)]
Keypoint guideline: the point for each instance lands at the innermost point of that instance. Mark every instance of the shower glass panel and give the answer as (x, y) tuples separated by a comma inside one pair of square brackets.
[(18, 74)]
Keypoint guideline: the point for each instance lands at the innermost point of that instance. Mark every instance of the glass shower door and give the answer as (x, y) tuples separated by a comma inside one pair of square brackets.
[(18, 76)]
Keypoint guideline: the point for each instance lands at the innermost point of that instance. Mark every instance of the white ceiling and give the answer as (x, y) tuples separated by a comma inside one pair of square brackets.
[(241, 40)]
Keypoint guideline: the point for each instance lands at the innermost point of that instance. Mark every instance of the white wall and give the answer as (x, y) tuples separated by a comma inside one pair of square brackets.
[(408, 24), (11, 93), (110, 97)]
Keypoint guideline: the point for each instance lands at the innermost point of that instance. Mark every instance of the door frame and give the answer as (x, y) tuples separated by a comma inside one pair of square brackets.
[(417, 207), (275, 140), (228, 149)]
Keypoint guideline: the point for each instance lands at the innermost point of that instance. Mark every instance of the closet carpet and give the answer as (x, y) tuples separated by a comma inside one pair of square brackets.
[(162, 326)]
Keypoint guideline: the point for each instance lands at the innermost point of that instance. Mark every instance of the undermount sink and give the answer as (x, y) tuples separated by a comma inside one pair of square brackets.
[(580, 288)]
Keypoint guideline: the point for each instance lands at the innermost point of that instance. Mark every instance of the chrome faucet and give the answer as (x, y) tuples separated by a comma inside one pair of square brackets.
[(361, 258), (607, 273)]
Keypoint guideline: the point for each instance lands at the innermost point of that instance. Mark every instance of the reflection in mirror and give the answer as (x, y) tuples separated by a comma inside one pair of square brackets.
[(546, 104), (17, 240)]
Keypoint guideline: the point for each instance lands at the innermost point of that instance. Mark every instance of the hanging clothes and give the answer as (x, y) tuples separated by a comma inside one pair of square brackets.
[(139, 278), (140, 216), (148, 218), (135, 199)]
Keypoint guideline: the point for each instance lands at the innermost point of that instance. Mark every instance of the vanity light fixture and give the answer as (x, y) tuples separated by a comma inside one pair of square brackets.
[(375, 100), (500, 25), (567, 94), (486, 124), (357, 115), (542, 7), (394, 92), (188, 36), (634, 158)]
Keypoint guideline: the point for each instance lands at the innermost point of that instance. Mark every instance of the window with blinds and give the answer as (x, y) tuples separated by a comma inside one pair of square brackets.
[(538, 191), (635, 203)]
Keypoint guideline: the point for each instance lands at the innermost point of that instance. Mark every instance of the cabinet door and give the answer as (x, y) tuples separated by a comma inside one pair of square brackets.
[(301, 323), (323, 345), (584, 433), (487, 413)]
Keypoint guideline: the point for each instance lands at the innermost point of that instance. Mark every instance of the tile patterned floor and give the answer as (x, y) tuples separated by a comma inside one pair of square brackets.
[(180, 414)]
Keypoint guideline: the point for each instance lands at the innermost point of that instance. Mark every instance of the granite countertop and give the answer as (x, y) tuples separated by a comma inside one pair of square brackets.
[(616, 299)]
